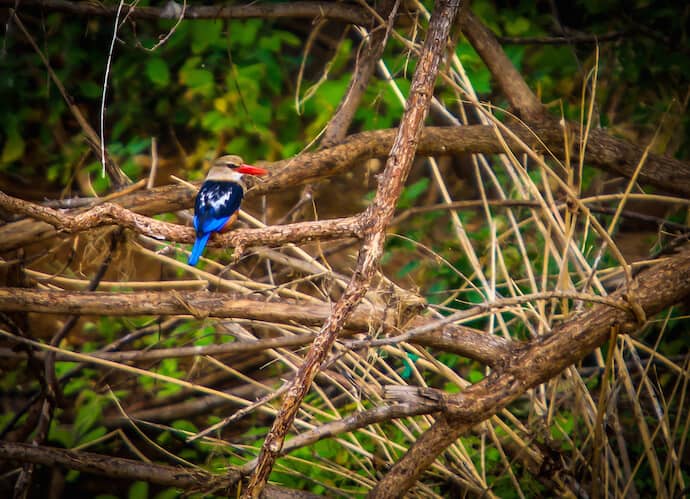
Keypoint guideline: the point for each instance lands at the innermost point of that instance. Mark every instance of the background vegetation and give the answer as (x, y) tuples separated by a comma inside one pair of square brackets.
[(615, 423)]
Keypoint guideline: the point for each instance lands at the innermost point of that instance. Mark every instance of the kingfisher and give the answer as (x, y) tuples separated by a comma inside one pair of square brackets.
[(218, 201)]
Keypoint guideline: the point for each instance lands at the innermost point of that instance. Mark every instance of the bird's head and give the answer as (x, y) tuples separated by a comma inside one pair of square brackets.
[(231, 168)]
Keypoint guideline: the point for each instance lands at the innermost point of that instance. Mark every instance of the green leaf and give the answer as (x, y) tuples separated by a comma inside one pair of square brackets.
[(14, 146), (517, 26), (409, 362), (475, 376), (157, 72), (198, 80), (412, 192), (244, 33), (138, 490), (90, 89), (184, 425), (206, 33), (326, 448), (481, 81), (407, 268), (167, 494)]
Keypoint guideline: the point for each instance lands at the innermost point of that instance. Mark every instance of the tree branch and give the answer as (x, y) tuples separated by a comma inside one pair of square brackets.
[(364, 69), (488, 349), (128, 469), (604, 151), (375, 219), (113, 214), (293, 10), (509, 79), (196, 303), (654, 290)]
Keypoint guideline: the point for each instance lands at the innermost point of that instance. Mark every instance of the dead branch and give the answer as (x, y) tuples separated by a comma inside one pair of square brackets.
[(185, 405), (113, 214), (196, 303), (509, 79), (364, 70), (292, 10), (485, 348), (127, 469), (654, 290), (376, 218), (604, 151)]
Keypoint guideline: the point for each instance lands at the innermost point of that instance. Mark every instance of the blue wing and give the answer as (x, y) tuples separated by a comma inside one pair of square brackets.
[(214, 205)]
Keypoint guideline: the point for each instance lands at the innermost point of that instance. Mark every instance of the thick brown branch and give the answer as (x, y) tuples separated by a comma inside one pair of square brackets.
[(375, 219), (488, 349), (113, 214), (357, 420), (294, 10), (604, 151), (195, 303), (120, 468), (654, 290), (509, 79)]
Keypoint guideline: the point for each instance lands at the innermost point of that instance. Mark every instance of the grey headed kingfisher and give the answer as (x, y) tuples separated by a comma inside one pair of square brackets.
[(218, 201)]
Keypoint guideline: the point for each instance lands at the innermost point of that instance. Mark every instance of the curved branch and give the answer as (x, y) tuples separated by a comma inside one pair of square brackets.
[(113, 214), (653, 290), (604, 151), (375, 220), (336, 130), (508, 77), (195, 303)]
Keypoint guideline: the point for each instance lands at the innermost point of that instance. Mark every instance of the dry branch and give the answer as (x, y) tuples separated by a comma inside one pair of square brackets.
[(654, 290), (509, 79), (375, 221), (604, 151), (127, 469), (488, 349), (364, 70), (113, 214), (292, 10), (195, 303)]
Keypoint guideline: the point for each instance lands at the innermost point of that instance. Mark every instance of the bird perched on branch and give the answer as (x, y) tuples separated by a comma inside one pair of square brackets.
[(218, 201)]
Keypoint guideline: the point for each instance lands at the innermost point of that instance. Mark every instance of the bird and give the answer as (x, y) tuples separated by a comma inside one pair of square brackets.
[(218, 201)]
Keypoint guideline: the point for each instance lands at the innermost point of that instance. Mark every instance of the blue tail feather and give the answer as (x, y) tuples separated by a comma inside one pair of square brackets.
[(198, 249)]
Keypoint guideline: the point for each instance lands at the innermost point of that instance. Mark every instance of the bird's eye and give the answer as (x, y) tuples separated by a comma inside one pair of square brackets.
[(231, 165)]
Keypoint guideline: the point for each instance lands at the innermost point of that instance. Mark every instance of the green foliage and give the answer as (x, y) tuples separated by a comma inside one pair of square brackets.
[(167, 367), (167, 494), (85, 428), (138, 490), (412, 192)]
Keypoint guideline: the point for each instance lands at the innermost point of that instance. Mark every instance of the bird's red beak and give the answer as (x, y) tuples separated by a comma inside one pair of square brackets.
[(251, 170)]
